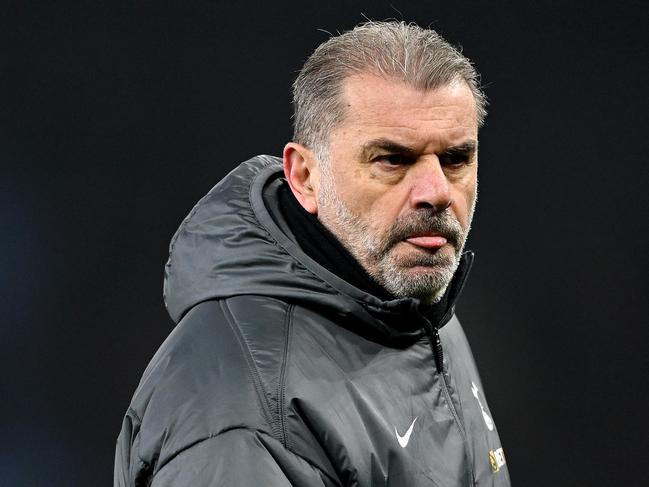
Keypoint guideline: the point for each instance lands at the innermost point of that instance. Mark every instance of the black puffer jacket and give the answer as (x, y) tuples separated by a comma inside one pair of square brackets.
[(279, 373)]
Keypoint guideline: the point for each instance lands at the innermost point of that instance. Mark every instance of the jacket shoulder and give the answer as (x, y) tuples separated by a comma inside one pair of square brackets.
[(219, 369)]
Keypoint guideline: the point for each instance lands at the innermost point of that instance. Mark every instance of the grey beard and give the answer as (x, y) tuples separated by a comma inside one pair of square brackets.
[(428, 287)]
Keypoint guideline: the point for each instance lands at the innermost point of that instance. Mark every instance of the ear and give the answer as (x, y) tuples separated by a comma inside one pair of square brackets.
[(301, 171)]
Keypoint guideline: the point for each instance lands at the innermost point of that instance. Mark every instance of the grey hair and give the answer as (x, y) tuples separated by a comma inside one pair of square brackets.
[(392, 50)]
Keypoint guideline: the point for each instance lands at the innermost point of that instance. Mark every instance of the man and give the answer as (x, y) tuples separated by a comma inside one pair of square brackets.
[(316, 341)]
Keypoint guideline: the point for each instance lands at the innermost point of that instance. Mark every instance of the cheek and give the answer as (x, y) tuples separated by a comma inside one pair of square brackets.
[(367, 199), (388, 205)]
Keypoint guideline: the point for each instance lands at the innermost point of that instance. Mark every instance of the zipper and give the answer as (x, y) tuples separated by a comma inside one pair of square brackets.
[(438, 356)]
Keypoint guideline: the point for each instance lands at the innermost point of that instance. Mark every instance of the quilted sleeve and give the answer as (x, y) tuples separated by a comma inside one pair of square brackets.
[(239, 457)]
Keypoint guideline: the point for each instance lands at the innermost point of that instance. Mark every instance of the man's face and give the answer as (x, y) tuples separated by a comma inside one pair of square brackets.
[(399, 184)]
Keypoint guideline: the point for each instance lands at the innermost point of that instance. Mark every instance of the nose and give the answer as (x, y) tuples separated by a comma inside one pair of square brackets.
[(430, 188)]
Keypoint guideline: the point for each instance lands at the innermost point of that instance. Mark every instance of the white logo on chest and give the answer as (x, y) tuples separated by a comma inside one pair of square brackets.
[(403, 440), (488, 421)]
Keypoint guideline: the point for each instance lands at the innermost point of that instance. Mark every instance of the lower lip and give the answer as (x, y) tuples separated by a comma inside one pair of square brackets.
[(427, 242)]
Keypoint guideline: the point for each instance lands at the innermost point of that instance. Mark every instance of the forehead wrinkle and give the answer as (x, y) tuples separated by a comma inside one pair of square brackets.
[(409, 125), (355, 94), (393, 116)]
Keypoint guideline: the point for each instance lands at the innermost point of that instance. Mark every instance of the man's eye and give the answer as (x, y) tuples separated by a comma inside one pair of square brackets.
[(394, 159), (451, 159)]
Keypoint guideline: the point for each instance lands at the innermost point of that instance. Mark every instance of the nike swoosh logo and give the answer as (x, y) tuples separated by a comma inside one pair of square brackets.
[(403, 440)]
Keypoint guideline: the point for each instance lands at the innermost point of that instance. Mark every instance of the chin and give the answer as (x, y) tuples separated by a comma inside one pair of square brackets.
[(426, 283)]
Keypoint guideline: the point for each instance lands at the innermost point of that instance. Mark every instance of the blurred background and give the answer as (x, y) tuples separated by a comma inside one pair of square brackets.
[(116, 117)]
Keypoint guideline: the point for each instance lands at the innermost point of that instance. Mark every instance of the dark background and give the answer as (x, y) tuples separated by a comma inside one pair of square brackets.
[(116, 117)]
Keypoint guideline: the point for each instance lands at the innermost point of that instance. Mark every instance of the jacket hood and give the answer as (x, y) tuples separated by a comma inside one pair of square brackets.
[(231, 245)]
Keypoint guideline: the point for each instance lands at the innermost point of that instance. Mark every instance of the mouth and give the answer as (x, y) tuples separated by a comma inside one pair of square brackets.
[(427, 241)]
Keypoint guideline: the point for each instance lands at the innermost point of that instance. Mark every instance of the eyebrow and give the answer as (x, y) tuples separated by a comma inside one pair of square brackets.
[(388, 145), (464, 148)]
